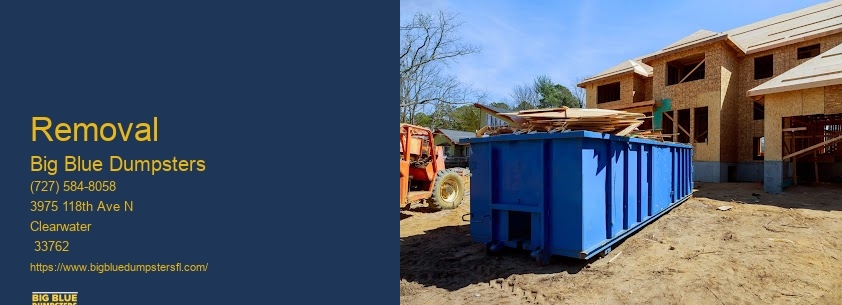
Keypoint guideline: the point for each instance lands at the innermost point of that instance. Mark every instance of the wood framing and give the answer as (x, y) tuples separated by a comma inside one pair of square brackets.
[(811, 148)]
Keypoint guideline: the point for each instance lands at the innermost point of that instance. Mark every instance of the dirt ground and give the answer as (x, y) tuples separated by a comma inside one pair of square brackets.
[(767, 249)]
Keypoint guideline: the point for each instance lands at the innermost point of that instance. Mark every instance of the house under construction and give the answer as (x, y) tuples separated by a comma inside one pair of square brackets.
[(762, 102)]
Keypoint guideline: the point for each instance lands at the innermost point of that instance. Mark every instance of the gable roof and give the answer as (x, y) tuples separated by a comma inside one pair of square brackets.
[(819, 71), (455, 135), (622, 68), (811, 22), (698, 37)]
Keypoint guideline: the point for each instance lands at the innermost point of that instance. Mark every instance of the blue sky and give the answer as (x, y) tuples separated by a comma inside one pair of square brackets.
[(568, 39)]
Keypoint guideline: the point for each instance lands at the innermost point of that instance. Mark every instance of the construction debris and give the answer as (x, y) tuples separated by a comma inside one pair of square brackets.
[(552, 120)]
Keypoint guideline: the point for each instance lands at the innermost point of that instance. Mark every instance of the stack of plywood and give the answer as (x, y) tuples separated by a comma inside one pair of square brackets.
[(620, 123)]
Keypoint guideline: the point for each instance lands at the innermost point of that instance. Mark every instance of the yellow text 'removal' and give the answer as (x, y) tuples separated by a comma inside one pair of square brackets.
[(63, 132)]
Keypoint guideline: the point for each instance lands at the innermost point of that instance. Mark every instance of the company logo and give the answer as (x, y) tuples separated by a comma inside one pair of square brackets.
[(55, 298)]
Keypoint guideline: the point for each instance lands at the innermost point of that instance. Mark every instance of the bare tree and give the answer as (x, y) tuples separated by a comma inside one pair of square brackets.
[(524, 95), (579, 92), (429, 42)]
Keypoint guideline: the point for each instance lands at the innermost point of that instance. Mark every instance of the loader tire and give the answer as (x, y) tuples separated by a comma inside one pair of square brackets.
[(449, 190)]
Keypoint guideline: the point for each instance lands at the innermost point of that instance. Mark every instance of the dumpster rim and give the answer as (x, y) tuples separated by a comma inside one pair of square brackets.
[(571, 134)]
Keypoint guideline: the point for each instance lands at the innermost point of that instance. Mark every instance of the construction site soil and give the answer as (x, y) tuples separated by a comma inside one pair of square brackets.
[(764, 249)]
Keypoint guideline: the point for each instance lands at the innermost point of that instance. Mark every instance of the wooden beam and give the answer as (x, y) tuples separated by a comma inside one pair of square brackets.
[(801, 137), (676, 124), (691, 71), (629, 129), (629, 105), (808, 149), (794, 129), (697, 138), (682, 128)]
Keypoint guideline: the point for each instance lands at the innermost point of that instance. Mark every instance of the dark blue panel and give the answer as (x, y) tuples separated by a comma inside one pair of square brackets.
[(632, 186), (617, 185)]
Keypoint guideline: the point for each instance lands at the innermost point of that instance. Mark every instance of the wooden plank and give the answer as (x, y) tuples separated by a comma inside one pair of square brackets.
[(629, 105), (629, 129), (579, 113), (682, 128), (794, 129), (542, 110), (704, 133), (676, 124), (808, 149)]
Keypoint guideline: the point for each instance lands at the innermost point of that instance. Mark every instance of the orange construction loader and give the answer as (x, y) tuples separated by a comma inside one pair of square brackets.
[(423, 175)]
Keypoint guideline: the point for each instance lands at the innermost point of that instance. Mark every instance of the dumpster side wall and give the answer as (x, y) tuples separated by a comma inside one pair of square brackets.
[(572, 195)]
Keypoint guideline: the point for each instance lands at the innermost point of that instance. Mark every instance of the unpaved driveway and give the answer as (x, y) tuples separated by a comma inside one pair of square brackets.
[(767, 249)]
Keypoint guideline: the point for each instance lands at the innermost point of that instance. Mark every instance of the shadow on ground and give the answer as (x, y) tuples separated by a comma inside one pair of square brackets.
[(423, 209), (814, 196), (447, 258), (407, 213)]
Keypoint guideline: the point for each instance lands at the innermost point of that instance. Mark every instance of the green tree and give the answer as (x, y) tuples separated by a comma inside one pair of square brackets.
[(501, 105), (465, 118), (554, 95), (524, 105), (423, 119)]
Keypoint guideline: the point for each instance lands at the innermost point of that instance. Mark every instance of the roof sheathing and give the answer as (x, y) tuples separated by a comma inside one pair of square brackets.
[(693, 40), (819, 71), (808, 23), (622, 68)]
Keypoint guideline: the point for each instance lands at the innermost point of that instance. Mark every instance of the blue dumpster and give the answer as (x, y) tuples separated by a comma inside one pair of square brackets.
[(571, 194)]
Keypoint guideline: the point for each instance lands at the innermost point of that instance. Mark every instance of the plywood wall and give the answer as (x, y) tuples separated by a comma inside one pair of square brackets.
[(784, 58), (833, 99), (639, 88), (684, 93), (728, 76), (730, 96), (787, 104), (699, 93), (709, 151), (627, 87)]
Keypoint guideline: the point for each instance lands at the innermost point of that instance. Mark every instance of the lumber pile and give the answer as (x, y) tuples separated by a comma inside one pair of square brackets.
[(551, 120)]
